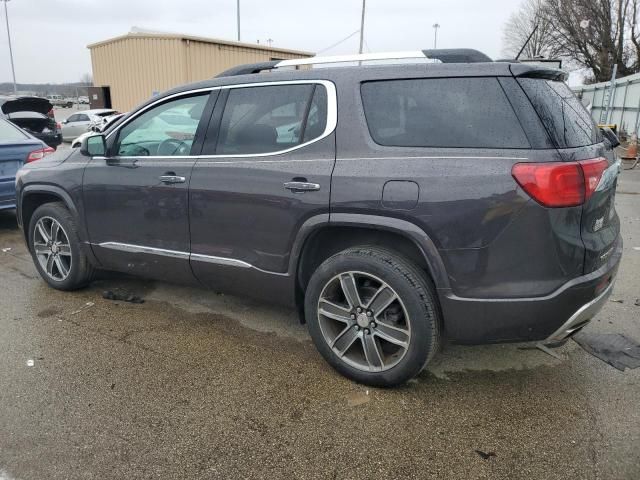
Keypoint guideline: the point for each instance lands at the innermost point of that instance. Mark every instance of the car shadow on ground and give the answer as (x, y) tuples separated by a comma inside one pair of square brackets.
[(284, 322)]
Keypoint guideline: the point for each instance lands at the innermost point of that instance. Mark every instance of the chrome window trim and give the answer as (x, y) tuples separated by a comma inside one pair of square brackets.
[(332, 116), (229, 262)]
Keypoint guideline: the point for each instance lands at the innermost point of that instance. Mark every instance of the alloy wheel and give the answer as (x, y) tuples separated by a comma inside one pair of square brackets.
[(364, 321), (52, 248)]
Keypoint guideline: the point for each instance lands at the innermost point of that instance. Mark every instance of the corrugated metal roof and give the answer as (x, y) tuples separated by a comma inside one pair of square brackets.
[(179, 36)]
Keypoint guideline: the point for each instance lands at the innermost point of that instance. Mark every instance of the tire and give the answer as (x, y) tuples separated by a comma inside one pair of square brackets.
[(400, 337), (74, 270)]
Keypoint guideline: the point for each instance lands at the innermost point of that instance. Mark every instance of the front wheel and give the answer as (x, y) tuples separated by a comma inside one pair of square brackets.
[(373, 316), (56, 249)]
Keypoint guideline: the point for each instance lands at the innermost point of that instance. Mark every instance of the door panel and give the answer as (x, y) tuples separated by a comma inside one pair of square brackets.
[(128, 206), (243, 219), (136, 202)]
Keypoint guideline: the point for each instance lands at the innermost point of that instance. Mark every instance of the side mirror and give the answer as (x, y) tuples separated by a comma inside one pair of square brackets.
[(610, 136), (93, 146)]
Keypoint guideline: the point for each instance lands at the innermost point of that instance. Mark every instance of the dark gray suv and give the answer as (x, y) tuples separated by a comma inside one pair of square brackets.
[(394, 205)]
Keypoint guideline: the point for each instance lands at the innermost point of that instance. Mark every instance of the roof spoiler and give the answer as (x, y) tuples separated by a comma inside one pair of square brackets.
[(451, 55), (531, 71)]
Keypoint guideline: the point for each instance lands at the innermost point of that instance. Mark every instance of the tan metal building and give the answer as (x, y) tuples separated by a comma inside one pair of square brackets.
[(136, 65)]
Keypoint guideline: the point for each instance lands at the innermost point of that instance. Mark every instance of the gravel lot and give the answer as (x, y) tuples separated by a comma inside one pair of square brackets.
[(191, 384)]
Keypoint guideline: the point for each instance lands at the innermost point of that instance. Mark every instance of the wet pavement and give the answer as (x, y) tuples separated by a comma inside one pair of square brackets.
[(192, 384)]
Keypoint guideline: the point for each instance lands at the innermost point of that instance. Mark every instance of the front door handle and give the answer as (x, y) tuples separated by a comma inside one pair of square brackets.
[(301, 187), (170, 179)]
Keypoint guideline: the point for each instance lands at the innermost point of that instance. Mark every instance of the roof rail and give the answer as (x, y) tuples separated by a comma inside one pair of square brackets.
[(453, 55), (363, 57)]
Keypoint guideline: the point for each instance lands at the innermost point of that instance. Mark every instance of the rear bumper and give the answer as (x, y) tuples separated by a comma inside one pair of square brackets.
[(550, 318), (581, 317), (51, 139)]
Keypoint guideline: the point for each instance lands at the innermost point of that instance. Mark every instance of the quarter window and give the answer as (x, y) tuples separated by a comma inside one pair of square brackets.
[(166, 130), (569, 124), (441, 112), (271, 118)]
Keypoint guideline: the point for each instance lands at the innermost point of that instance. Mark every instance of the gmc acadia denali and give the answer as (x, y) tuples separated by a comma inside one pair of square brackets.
[(393, 204)]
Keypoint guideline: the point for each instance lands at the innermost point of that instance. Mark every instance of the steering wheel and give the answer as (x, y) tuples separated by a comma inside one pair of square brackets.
[(172, 146)]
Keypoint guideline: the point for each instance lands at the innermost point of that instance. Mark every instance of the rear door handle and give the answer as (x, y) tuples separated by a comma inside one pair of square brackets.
[(301, 187), (170, 179)]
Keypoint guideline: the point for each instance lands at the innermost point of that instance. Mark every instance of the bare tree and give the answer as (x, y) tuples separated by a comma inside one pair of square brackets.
[(523, 23), (632, 25), (596, 34)]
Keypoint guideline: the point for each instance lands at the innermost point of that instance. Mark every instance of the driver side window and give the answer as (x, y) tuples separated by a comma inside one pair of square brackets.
[(165, 130)]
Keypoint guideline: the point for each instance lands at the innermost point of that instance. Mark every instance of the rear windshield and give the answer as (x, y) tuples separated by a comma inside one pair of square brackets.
[(441, 112), (567, 121), (9, 132)]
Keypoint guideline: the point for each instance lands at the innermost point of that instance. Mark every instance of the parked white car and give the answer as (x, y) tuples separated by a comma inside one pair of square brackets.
[(81, 122), (105, 123)]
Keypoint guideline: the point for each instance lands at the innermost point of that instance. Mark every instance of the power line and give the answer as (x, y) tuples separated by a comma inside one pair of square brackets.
[(339, 42)]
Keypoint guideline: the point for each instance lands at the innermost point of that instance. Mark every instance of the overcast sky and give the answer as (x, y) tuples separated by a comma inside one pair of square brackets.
[(50, 36)]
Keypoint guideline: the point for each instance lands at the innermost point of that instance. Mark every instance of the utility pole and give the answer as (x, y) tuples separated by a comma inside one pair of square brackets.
[(436, 26), (364, 3), (13, 70), (238, 17)]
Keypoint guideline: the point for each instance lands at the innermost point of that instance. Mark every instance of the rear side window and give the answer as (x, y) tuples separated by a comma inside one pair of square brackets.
[(271, 118), (567, 121), (10, 133), (441, 112)]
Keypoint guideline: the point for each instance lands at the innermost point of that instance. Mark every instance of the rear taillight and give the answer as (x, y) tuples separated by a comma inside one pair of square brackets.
[(58, 125), (592, 170), (39, 154), (560, 184), (50, 113)]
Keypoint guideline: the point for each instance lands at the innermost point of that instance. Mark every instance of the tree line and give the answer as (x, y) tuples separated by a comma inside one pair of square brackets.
[(590, 34)]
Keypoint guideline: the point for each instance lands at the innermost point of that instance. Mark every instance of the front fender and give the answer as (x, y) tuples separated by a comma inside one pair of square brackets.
[(63, 196)]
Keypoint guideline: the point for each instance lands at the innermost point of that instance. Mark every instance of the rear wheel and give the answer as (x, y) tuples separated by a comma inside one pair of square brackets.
[(56, 249), (373, 316)]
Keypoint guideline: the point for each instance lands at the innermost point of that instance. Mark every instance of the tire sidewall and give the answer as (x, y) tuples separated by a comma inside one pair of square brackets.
[(62, 216), (421, 313)]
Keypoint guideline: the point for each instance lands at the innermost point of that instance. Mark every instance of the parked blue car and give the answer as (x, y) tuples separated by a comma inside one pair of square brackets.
[(17, 147)]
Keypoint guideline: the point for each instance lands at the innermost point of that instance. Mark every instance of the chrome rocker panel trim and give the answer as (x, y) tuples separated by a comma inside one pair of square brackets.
[(198, 257)]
